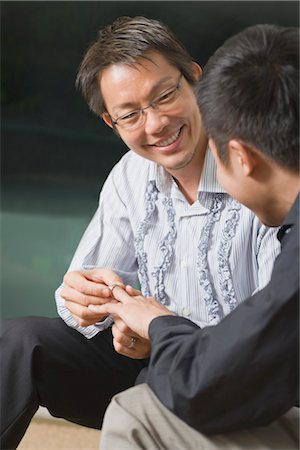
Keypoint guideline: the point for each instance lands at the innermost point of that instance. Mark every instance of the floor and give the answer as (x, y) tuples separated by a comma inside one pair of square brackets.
[(56, 434)]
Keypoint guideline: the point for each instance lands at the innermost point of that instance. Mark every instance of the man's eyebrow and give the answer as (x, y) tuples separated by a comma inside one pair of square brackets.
[(132, 105)]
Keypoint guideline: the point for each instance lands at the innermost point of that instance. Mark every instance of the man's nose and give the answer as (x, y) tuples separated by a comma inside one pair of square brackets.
[(155, 121)]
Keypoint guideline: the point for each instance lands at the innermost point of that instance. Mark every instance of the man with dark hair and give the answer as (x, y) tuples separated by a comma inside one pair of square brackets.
[(162, 219), (235, 385)]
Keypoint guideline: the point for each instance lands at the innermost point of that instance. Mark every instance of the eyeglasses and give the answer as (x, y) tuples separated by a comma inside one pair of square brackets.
[(136, 118)]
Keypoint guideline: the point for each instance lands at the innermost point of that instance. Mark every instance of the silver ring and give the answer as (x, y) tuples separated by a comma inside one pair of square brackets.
[(112, 286), (132, 342)]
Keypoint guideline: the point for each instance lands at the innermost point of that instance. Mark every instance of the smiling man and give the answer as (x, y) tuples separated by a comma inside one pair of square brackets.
[(168, 130), (162, 220)]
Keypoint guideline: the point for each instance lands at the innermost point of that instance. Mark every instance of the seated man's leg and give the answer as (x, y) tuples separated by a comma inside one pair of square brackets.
[(136, 419), (44, 362)]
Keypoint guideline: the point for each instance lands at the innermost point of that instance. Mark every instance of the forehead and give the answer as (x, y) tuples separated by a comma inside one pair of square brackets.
[(122, 82)]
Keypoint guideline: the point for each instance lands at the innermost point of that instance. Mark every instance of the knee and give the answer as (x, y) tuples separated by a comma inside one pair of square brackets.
[(131, 402), (120, 415), (137, 394), (126, 421), (25, 332), (22, 327), (18, 338)]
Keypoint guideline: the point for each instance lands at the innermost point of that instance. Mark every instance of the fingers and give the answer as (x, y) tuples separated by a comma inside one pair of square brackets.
[(124, 349), (130, 345), (83, 316), (121, 295), (123, 328), (131, 291), (92, 282), (105, 276), (84, 299), (105, 309), (79, 282), (81, 289), (123, 339)]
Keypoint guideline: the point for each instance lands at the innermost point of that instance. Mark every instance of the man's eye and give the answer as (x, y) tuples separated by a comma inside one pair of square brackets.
[(165, 97), (129, 117)]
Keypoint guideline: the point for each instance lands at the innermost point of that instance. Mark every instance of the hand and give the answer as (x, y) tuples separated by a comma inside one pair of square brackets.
[(136, 311), (127, 342), (82, 289)]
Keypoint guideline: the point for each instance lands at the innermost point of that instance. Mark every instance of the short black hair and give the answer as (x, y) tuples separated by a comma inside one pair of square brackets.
[(249, 90), (126, 41)]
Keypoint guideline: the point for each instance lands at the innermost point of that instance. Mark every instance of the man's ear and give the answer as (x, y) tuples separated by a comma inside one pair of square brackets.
[(197, 70), (106, 117), (242, 156)]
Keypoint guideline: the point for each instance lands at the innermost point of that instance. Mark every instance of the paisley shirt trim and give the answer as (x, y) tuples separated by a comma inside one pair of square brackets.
[(228, 233), (215, 311)]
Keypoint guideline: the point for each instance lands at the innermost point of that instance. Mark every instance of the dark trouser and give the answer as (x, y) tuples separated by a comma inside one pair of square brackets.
[(44, 362)]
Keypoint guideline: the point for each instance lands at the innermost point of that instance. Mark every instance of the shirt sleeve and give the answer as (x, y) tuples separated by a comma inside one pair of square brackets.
[(107, 242), (240, 373)]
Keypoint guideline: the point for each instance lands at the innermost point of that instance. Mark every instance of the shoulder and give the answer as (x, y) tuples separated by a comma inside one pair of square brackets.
[(130, 177), (132, 166)]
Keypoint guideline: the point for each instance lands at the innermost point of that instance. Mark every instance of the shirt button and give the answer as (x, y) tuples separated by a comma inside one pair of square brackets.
[(186, 312), (184, 263)]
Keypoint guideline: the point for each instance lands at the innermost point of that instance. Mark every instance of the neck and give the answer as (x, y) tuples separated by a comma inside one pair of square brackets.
[(282, 193), (189, 184), (287, 192)]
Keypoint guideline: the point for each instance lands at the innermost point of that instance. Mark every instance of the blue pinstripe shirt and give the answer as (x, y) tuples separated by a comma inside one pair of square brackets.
[(201, 260)]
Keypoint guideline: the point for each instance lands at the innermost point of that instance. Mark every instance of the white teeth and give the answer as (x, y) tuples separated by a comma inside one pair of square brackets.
[(168, 141)]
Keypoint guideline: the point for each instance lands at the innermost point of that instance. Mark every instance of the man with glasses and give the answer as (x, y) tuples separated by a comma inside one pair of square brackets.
[(163, 220)]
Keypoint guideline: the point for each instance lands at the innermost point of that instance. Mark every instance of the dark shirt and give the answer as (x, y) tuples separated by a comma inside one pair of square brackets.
[(242, 372)]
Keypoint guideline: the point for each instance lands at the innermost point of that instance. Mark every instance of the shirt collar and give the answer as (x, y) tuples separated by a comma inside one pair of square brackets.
[(208, 181)]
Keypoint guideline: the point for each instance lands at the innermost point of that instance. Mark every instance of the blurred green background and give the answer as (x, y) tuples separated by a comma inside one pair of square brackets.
[(55, 154)]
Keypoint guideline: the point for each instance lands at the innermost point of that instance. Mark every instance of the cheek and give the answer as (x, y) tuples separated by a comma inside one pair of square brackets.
[(196, 115), (132, 142)]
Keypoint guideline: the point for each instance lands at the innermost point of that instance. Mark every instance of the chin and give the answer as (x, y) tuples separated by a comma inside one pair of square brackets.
[(269, 221), (180, 161), (268, 224)]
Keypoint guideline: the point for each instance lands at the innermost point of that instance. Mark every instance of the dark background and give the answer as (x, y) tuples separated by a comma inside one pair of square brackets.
[(55, 154)]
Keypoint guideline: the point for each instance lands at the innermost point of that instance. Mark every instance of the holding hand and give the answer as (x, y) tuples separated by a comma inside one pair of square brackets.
[(126, 342), (136, 311), (84, 288)]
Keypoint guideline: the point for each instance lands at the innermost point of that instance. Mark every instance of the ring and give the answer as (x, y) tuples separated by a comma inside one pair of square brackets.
[(132, 342), (112, 286)]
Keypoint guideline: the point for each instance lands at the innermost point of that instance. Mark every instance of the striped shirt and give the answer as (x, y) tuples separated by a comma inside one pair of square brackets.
[(200, 260)]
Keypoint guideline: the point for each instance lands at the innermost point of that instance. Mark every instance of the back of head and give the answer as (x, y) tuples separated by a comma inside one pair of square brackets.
[(126, 41), (249, 91)]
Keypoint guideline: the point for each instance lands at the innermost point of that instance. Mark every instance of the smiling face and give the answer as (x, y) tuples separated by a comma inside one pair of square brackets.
[(172, 136)]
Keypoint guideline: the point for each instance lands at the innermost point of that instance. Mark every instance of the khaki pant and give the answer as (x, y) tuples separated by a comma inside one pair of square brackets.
[(136, 419)]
